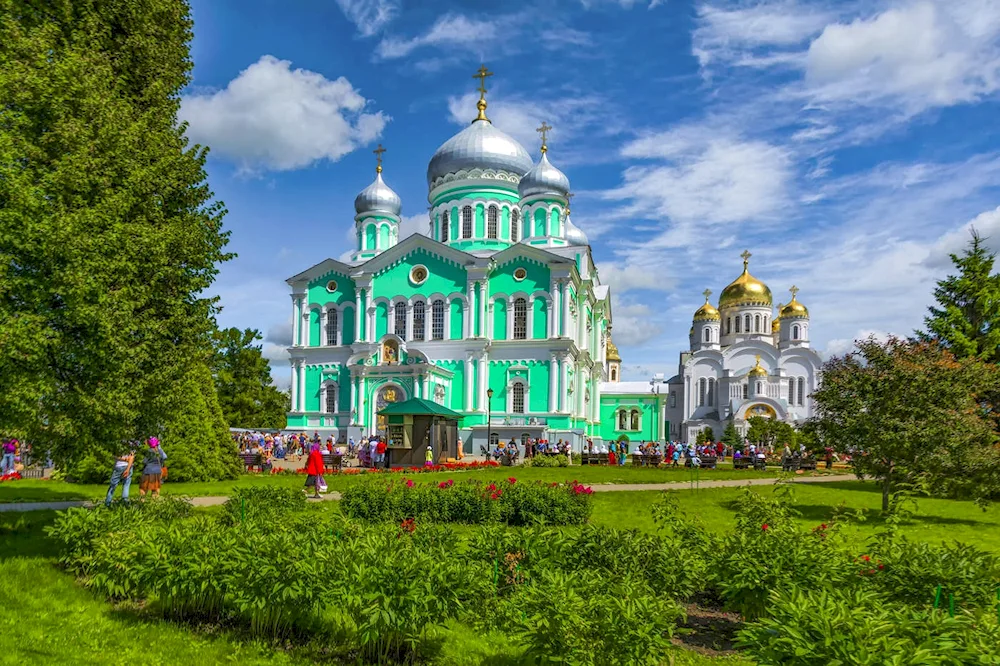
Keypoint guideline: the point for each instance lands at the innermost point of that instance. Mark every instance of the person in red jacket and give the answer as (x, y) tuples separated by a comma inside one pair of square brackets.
[(380, 453), (314, 470)]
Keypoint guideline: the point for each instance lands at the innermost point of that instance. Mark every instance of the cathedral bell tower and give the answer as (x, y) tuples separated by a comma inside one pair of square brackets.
[(377, 218)]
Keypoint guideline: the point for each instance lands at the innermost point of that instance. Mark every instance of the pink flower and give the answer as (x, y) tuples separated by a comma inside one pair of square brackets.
[(409, 483), (512, 480)]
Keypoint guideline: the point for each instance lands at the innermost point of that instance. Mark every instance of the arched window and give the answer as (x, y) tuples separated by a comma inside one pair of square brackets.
[(760, 388), (711, 392), (399, 320), (635, 419), (515, 216), (517, 398), (795, 332), (623, 420), (791, 391), (673, 398), (738, 320), (492, 222), (494, 440), (330, 406), (520, 319), (756, 323), (701, 391), (614, 374), (467, 222), (708, 334), (746, 391), (444, 226), (802, 390), (746, 324), (331, 326), (437, 320), (419, 313), (729, 325)]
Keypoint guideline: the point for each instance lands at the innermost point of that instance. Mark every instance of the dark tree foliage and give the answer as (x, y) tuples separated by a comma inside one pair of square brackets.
[(243, 380), (109, 234)]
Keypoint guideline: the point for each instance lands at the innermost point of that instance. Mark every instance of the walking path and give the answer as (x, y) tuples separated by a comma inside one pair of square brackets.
[(599, 487)]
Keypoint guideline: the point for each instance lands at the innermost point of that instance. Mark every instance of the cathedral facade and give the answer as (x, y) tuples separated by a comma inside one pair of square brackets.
[(743, 360), (496, 312)]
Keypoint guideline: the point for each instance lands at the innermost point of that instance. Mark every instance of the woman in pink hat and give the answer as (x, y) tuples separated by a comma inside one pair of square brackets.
[(152, 468)]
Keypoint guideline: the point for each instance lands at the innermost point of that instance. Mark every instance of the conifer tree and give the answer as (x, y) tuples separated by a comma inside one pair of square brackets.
[(109, 235), (966, 320), (247, 393)]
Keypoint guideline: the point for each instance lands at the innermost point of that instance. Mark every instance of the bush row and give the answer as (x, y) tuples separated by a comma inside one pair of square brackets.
[(468, 501)]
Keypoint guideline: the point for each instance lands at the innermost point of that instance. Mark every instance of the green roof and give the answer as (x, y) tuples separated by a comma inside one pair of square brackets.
[(419, 407)]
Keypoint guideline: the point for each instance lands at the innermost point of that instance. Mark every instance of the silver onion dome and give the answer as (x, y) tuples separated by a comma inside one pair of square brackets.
[(378, 197), (543, 178), (479, 146), (574, 234)]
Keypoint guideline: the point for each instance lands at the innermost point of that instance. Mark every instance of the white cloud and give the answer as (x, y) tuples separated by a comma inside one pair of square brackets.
[(629, 277), (280, 334), (370, 16), (706, 176), (452, 30), (275, 353), (842, 346), (413, 224), (634, 324), (273, 117), (918, 55), (987, 225)]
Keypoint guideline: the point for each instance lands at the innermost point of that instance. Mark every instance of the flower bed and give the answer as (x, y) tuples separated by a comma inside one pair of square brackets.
[(469, 501), (443, 467), (12, 476)]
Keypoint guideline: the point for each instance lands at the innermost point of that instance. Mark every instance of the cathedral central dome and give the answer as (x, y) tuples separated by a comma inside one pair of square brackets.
[(745, 290), (479, 146)]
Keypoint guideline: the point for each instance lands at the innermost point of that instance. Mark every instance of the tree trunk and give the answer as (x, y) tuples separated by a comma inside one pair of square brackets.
[(885, 494)]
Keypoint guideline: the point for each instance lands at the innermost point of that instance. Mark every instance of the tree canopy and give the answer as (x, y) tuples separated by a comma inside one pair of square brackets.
[(109, 234), (911, 415), (243, 380)]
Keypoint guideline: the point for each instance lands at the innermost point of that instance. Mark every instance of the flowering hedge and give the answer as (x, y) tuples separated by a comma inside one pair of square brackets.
[(470, 501), (12, 476), (444, 467)]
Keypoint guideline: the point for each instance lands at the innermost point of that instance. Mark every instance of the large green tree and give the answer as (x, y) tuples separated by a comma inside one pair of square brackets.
[(966, 319), (247, 393), (912, 417), (109, 234)]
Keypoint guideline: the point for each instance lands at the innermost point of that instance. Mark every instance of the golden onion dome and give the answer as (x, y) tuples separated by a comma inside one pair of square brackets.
[(757, 370), (776, 325), (707, 312), (745, 290), (613, 354), (794, 308)]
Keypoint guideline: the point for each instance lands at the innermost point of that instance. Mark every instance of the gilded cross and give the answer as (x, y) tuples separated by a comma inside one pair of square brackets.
[(706, 294), (795, 291), (378, 156), (543, 130), (746, 258), (569, 197), (481, 75)]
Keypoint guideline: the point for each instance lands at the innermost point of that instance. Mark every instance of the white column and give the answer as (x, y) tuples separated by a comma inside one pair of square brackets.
[(553, 383), (322, 326), (468, 384), (488, 328), (466, 320), (482, 309), (531, 318), (296, 320), (565, 308), (371, 324), (363, 406), (564, 391), (358, 313), (409, 321), (354, 401), (428, 320), (302, 386), (295, 386), (427, 387), (510, 318), (482, 382)]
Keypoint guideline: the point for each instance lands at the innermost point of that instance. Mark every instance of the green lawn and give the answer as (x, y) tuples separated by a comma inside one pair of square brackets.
[(34, 490)]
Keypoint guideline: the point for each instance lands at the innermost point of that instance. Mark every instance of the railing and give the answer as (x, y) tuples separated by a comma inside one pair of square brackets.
[(518, 420)]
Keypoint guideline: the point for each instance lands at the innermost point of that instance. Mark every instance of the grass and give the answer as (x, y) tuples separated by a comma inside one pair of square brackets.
[(36, 490), (52, 620)]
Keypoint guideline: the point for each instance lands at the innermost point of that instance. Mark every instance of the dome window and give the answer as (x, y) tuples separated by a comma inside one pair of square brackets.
[(444, 227), (331, 286), (418, 274), (520, 274), (467, 222), (515, 217), (492, 215)]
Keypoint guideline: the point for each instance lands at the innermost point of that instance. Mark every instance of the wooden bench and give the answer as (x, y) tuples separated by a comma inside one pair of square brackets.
[(333, 461), (593, 458), (790, 464), (708, 462), (808, 463), (640, 460), (741, 463), (759, 463)]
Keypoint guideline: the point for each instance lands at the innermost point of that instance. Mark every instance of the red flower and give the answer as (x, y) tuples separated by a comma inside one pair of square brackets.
[(409, 483), (823, 526), (866, 558), (881, 566), (442, 485), (511, 480), (765, 527), (494, 496)]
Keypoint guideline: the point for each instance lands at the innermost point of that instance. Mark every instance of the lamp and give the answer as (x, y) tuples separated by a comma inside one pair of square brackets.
[(489, 412)]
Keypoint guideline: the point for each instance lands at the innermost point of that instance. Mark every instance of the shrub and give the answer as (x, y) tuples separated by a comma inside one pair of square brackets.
[(261, 504), (824, 626), (547, 461), (470, 501)]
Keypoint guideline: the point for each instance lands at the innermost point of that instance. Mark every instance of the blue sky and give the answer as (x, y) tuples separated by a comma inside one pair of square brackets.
[(847, 145)]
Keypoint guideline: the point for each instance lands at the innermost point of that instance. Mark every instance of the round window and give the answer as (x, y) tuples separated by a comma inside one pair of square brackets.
[(418, 274), (520, 274), (331, 285)]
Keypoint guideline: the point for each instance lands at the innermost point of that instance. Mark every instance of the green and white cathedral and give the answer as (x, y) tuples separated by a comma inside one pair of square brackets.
[(501, 297)]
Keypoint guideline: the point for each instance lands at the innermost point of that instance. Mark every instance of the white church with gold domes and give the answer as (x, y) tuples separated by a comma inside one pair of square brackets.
[(744, 360)]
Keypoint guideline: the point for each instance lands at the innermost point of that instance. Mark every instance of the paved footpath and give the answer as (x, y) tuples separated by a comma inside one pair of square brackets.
[(598, 487)]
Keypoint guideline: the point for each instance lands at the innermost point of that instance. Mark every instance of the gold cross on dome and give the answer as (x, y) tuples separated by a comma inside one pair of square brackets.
[(795, 291), (706, 294), (569, 197), (746, 258), (543, 130), (378, 156), (481, 75)]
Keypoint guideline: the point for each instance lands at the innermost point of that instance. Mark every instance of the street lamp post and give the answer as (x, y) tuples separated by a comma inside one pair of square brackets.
[(489, 421)]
